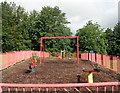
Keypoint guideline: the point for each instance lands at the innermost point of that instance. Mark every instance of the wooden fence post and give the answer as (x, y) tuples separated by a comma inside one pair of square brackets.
[(115, 64)]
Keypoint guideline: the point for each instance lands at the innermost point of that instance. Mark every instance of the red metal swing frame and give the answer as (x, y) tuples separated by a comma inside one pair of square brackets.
[(59, 37)]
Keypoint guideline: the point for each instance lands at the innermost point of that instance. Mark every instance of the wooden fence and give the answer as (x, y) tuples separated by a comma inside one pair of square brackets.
[(101, 87), (111, 62), (11, 58)]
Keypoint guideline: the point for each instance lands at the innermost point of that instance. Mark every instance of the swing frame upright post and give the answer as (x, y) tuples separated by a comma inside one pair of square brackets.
[(59, 37)]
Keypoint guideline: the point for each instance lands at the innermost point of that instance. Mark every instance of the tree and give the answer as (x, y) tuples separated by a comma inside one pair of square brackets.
[(14, 26), (55, 25), (1, 29), (110, 41), (91, 38), (23, 31), (34, 30), (113, 40), (49, 22), (116, 34)]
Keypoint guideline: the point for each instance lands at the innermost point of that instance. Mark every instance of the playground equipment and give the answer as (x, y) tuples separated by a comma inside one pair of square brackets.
[(32, 64), (62, 53), (42, 39), (34, 61), (78, 80), (90, 74)]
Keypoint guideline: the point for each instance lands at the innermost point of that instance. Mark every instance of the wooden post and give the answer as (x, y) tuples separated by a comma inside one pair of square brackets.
[(90, 77), (78, 81), (77, 51), (41, 49)]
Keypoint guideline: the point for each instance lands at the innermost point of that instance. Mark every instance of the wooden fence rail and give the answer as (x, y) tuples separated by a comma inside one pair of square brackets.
[(105, 87)]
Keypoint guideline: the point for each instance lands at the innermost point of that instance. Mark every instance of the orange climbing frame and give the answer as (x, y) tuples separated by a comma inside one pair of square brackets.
[(58, 37)]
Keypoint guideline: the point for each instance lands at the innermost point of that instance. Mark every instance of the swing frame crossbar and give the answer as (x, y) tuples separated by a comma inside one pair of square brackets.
[(42, 39)]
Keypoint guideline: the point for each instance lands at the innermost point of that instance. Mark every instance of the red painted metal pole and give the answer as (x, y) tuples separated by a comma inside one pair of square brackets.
[(59, 37), (41, 45), (77, 51), (43, 50), (77, 45)]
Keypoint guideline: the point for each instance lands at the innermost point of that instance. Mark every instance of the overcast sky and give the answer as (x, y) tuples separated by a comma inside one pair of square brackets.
[(78, 12)]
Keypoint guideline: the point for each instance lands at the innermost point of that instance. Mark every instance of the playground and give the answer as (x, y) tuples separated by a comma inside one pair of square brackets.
[(59, 47), (39, 67), (56, 71)]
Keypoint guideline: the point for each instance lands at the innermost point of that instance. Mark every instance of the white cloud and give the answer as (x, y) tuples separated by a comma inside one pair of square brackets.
[(78, 12)]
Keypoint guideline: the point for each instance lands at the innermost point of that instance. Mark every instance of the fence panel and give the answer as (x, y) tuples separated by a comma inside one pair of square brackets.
[(4, 60), (93, 57), (89, 55), (104, 61), (20, 56), (108, 61), (116, 64), (84, 56), (7, 60), (98, 59), (13, 58)]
